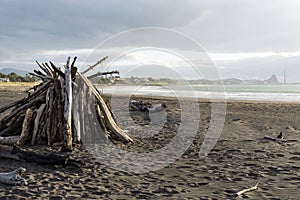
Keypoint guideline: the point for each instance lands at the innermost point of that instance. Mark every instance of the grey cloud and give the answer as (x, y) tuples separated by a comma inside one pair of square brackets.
[(29, 26), (76, 22), (246, 26)]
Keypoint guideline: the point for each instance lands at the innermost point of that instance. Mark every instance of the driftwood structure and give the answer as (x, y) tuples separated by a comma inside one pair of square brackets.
[(64, 108), (54, 111)]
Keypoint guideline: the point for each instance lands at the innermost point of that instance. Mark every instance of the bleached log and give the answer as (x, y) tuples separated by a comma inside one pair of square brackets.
[(36, 122), (106, 112), (25, 128), (14, 177), (10, 140), (81, 105), (247, 190), (67, 137)]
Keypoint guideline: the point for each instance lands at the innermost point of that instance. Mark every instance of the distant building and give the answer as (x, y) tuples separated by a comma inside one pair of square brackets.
[(4, 79)]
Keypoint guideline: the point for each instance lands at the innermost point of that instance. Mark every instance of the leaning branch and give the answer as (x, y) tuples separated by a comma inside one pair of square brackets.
[(94, 65)]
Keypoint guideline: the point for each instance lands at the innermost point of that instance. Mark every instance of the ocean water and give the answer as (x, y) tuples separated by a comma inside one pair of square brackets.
[(284, 93)]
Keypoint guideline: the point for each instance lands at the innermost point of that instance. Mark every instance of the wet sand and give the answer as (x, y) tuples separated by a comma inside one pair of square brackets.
[(240, 159)]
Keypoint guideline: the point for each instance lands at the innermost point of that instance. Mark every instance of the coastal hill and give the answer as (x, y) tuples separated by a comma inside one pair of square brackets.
[(273, 80)]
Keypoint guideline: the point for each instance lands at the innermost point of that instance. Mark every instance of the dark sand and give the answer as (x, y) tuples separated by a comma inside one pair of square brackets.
[(240, 159)]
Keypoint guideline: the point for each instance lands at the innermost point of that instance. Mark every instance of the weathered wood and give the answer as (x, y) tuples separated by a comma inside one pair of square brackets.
[(67, 138), (57, 70), (61, 113), (81, 105), (10, 140), (45, 69), (106, 112), (37, 121), (76, 119), (247, 190), (101, 119), (94, 65), (25, 128), (50, 116), (103, 73), (14, 177), (54, 115)]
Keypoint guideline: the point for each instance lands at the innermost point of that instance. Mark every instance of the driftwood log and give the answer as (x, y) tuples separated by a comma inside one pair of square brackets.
[(63, 108), (247, 190), (14, 177)]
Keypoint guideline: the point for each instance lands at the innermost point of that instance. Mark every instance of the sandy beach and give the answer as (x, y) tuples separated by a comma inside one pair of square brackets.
[(240, 159)]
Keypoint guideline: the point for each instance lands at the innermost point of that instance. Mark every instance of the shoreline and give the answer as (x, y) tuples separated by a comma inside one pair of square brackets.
[(22, 88), (202, 100)]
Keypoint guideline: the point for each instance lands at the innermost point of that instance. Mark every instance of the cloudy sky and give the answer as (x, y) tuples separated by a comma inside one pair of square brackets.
[(245, 38)]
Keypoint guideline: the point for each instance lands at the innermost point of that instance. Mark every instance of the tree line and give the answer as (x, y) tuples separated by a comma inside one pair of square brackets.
[(13, 77)]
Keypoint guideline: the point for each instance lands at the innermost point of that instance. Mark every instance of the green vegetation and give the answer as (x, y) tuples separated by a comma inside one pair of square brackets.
[(13, 77)]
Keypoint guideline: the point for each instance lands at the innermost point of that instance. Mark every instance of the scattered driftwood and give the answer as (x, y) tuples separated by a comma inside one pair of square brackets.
[(247, 190), (60, 110), (146, 106), (14, 177), (278, 138)]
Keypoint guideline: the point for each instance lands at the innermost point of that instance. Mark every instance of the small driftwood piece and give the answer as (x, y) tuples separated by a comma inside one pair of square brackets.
[(247, 190), (14, 177)]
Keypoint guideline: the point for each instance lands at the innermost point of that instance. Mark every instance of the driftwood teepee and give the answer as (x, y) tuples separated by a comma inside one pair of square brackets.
[(62, 108)]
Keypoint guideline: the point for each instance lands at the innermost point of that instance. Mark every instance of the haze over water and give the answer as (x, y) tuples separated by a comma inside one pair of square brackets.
[(284, 93)]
